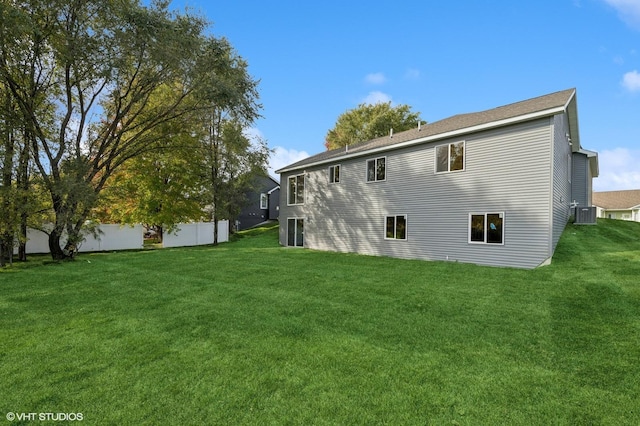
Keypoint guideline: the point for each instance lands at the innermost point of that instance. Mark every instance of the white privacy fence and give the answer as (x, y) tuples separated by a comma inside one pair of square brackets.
[(124, 237), (196, 234)]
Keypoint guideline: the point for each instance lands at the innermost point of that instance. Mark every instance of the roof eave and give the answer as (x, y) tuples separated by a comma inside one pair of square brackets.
[(433, 138), (571, 108), (273, 189)]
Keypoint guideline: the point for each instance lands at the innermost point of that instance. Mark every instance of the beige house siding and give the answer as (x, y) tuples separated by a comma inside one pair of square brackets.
[(621, 205)]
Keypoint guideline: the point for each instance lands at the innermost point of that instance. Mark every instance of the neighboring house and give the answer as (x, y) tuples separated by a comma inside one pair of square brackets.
[(263, 203), (623, 205), (493, 187)]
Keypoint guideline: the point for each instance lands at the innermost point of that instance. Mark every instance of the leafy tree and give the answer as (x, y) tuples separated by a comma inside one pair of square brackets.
[(15, 197), (159, 188), (8, 197), (230, 162), (201, 168), (368, 122), (229, 158), (66, 64)]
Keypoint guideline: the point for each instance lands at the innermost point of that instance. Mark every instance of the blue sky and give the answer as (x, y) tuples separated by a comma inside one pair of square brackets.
[(316, 60)]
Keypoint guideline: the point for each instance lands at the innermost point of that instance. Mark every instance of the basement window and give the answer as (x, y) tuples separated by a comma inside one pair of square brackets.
[(396, 227), (486, 228)]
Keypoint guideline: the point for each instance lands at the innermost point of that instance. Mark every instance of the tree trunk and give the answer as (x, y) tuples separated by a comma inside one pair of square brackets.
[(6, 251), (23, 188), (57, 253), (215, 231), (7, 196), (22, 244)]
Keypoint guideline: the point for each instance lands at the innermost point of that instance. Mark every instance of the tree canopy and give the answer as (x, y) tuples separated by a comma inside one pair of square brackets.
[(97, 83), (369, 121)]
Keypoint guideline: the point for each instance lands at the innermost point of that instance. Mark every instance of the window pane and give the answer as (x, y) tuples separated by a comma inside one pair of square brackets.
[(401, 227), (291, 232), (300, 190), (380, 173), (442, 158), (299, 232), (494, 228), (457, 156), (337, 174), (391, 231), (292, 190), (371, 170), (264, 201), (477, 228), (331, 178)]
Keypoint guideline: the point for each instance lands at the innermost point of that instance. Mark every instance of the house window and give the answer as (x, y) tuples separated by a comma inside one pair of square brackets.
[(264, 201), (334, 174), (295, 232), (486, 228), (450, 157), (296, 190), (376, 169), (396, 227)]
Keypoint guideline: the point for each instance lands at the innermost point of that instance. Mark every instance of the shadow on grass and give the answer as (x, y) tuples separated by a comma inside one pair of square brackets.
[(263, 235)]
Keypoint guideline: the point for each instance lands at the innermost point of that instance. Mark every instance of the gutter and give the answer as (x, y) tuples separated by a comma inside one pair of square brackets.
[(432, 138)]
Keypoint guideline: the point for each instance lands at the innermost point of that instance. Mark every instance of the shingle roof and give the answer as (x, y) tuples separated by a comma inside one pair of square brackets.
[(617, 200), (457, 123)]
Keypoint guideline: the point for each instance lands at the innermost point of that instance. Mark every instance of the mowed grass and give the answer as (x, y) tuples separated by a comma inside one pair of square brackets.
[(252, 333)]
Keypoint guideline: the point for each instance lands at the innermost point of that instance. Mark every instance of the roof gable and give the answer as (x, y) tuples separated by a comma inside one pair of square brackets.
[(459, 124)]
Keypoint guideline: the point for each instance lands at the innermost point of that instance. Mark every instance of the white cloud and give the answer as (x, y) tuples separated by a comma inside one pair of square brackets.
[(631, 81), (255, 136), (628, 11), (619, 169), (375, 78), (376, 97), (282, 157)]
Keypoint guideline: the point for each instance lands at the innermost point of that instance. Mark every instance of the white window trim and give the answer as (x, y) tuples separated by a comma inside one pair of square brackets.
[(264, 197), (406, 233), (366, 170), (329, 170), (304, 194), (464, 158), (485, 214)]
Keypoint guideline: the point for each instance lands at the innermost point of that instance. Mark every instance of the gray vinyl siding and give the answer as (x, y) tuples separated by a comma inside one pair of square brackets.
[(580, 181), (589, 187), (561, 179), (274, 204), (508, 170)]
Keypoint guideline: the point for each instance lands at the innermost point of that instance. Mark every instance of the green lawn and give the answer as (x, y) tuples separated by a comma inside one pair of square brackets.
[(252, 333)]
